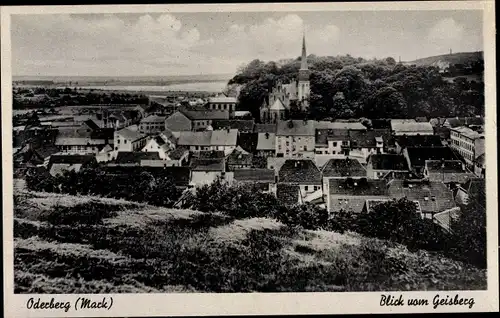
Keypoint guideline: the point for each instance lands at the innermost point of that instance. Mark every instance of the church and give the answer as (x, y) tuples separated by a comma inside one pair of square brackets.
[(282, 96)]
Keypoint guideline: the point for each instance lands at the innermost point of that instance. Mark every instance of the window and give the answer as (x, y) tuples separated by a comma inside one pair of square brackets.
[(305, 148), (306, 188), (124, 141), (315, 188), (335, 144)]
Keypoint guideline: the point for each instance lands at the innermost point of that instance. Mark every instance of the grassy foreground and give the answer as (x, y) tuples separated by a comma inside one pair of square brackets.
[(77, 244)]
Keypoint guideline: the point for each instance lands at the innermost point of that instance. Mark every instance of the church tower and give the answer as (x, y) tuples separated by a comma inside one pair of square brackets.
[(303, 80)]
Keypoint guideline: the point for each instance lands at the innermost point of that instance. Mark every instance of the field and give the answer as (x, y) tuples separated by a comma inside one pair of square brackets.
[(78, 244), (455, 58)]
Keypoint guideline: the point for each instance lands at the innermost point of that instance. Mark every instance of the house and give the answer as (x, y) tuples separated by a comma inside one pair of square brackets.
[(202, 118), (454, 122), (380, 164), (223, 103), (152, 124), (241, 125), (239, 159), (263, 128), (224, 140), (339, 125), (29, 156), (348, 194), (243, 114), (206, 171), (134, 158), (446, 218), (421, 119), (288, 194), (179, 156), (178, 122), (362, 144), (417, 141), (480, 166), (82, 140), (179, 175), (340, 169), (295, 139), (57, 164), (446, 171), (409, 127), (468, 143), (264, 179), (301, 172), (331, 141), (416, 157), (127, 139), (160, 144), (248, 141), (266, 144), (434, 197), (472, 187)]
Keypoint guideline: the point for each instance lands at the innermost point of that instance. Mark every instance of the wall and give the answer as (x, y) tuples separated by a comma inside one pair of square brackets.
[(178, 122), (297, 146), (204, 177)]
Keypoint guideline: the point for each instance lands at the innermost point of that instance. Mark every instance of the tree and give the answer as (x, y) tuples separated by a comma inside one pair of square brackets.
[(390, 61)]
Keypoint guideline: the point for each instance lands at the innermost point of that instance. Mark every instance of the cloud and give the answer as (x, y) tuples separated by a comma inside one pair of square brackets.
[(148, 45), (446, 30)]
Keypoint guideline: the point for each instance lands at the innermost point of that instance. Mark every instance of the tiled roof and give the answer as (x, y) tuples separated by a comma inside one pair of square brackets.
[(411, 127), (419, 141), (103, 133), (300, 172), (464, 121), (207, 164), (247, 141), (287, 194), (92, 125), (418, 156), (240, 125), (476, 186), (470, 133), (433, 196), (263, 128), (363, 139), (254, 175), (339, 125), (388, 162), (71, 159), (205, 114), (421, 119), (153, 119), (239, 157), (371, 203), (445, 218), (224, 137), (130, 134), (323, 135), (124, 157), (266, 141), (59, 168), (343, 168), (177, 153), (209, 154), (195, 138), (400, 175), (381, 123), (295, 128), (447, 166), (361, 187)]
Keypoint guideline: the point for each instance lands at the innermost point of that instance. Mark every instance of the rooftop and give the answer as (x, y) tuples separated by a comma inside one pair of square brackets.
[(266, 141), (388, 162), (154, 119), (130, 134), (433, 196), (468, 132), (254, 175), (339, 125), (418, 156), (270, 128), (300, 172), (361, 187), (343, 168), (240, 125), (205, 114), (222, 99), (419, 141), (215, 164), (400, 127), (295, 128), (127, 157), (288, 194)]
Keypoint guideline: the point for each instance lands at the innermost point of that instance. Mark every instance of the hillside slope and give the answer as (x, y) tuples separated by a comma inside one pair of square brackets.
[(454, 58), (76, 244)]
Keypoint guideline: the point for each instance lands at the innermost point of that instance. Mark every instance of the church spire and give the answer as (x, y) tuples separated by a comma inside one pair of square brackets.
[(303, 60)]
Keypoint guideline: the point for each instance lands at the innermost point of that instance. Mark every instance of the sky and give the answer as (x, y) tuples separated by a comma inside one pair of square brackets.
[(156, 44)]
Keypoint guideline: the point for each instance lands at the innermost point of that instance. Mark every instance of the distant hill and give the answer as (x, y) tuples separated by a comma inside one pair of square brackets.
[(454, 58)]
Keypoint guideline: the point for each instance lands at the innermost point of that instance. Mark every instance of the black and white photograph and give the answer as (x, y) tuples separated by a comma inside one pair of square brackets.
[(249, 152)]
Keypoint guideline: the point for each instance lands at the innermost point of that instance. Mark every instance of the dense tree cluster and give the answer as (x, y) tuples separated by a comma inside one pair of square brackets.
[(55, 97), (348, 87)]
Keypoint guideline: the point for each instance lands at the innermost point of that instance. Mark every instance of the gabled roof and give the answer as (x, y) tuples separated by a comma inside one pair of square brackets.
[(362, 187), (125, 157), (254, 175), (92, 125), (103, 133), (207, 164), (476, 186), (224, 137), (239, 157), (277, 105), (446, 218), (362, 138), (468, 132), (433, 196), (300, 172), (295, 128), (343, 168), (177, 153), (339, 125), (324, 135), (222, 99), (153, 119), (263, 128), (419, 141), (447, 166), (195, 138), (211, 154), (464, 121), (240, 125), (400, 127), (371, 203), (205, 114), (266, 141), (388, 162), (71, 159), (130, 134), (288, 194), (418, 156), (247, 141)]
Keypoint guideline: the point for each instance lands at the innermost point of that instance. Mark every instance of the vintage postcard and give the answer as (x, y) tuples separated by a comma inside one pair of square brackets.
[(249, 159)]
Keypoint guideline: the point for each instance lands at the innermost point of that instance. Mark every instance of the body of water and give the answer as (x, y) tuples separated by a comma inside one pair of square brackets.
[(215, 87)]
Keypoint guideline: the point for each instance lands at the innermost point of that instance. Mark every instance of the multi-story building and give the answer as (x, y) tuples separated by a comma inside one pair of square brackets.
[(128, 139), (223, 103), (295, 139), (221, 140), (468, 143), (152, 124)]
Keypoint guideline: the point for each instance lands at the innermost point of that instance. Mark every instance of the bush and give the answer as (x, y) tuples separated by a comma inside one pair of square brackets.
[(91, 213)]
